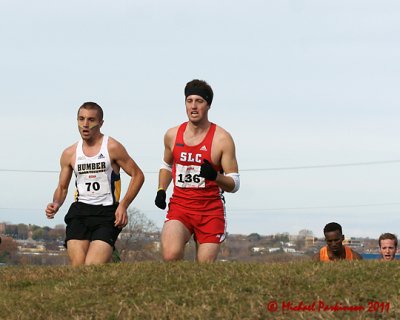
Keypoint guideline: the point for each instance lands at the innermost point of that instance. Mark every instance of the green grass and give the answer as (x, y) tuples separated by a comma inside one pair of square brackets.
[(184, 290)]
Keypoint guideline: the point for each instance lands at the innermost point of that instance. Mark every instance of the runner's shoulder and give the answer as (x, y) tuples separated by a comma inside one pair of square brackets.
[(222, 135), (68, 155), (70, 151), (170, 134)]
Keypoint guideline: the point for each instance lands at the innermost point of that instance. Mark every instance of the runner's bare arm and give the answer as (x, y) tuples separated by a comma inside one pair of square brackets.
[(316, 257), (165, 173), (63, 182), (120, 156), (228, 162), (356, 255)]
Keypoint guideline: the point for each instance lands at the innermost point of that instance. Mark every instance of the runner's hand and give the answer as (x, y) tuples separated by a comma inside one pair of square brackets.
[(207, 171), (160, 199), (121, 217), (52, 209)]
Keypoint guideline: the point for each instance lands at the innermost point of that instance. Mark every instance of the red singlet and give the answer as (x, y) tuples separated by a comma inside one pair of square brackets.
[(192, 192)]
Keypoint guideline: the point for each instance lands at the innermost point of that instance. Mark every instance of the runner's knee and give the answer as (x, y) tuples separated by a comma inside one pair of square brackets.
[(172, 253)]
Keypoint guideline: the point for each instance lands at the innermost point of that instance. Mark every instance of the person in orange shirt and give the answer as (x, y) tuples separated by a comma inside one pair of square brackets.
[(335, 250), (388, 246)]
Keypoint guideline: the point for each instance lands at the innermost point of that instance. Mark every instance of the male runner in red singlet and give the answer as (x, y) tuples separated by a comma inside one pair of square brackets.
[(97, 216), (199, 157), (335, 250)]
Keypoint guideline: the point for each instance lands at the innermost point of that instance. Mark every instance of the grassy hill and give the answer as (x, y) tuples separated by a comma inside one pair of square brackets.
[(184, 290)]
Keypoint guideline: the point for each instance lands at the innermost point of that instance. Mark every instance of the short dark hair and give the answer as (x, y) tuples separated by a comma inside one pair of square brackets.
[(201, 88), (387, 236), (92, 106), (333, 226)]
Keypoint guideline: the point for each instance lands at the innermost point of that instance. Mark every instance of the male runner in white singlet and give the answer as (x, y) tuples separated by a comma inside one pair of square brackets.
[(97, 216)]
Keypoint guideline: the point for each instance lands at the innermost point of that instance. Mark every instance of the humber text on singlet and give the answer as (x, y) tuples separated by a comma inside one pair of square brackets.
[(91, 167)]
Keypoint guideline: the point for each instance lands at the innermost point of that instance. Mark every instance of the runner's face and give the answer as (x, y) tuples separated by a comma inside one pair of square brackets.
[(387, 249), (334, 240), (196, 108), (89, 123)]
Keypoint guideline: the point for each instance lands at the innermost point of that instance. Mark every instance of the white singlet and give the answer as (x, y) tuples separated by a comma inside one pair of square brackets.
[(96, 182)]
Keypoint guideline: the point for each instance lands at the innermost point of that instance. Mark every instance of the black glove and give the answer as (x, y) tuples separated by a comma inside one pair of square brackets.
[(207, 171), (160, 199)]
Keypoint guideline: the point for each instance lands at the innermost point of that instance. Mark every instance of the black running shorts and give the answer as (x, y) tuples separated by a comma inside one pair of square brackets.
[(91, 222)]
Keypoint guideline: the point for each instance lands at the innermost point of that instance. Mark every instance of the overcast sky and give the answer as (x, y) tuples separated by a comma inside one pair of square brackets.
[(297, 84)]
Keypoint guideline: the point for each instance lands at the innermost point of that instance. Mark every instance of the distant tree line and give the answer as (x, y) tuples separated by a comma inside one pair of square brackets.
[(8, 249), (23, 232)]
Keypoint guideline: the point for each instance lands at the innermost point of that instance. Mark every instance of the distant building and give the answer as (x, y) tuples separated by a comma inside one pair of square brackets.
[(156, 246), (2, 228), (354, 243), (309, 241), (290, 244)]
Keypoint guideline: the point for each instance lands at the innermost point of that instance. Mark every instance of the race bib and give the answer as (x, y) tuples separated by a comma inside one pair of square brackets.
[(94, 184), (189, 177)]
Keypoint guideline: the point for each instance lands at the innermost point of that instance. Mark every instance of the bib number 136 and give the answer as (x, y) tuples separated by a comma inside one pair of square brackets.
[(188, 177)]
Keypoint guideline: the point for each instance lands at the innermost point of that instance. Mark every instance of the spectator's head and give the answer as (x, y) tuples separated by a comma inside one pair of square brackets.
[(388, 246), (334, 237)]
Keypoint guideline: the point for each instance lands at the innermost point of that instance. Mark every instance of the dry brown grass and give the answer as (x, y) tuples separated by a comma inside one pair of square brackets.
[(185, 290)]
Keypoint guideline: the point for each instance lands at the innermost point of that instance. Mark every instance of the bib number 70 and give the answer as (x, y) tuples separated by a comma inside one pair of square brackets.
[(92, 186)]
